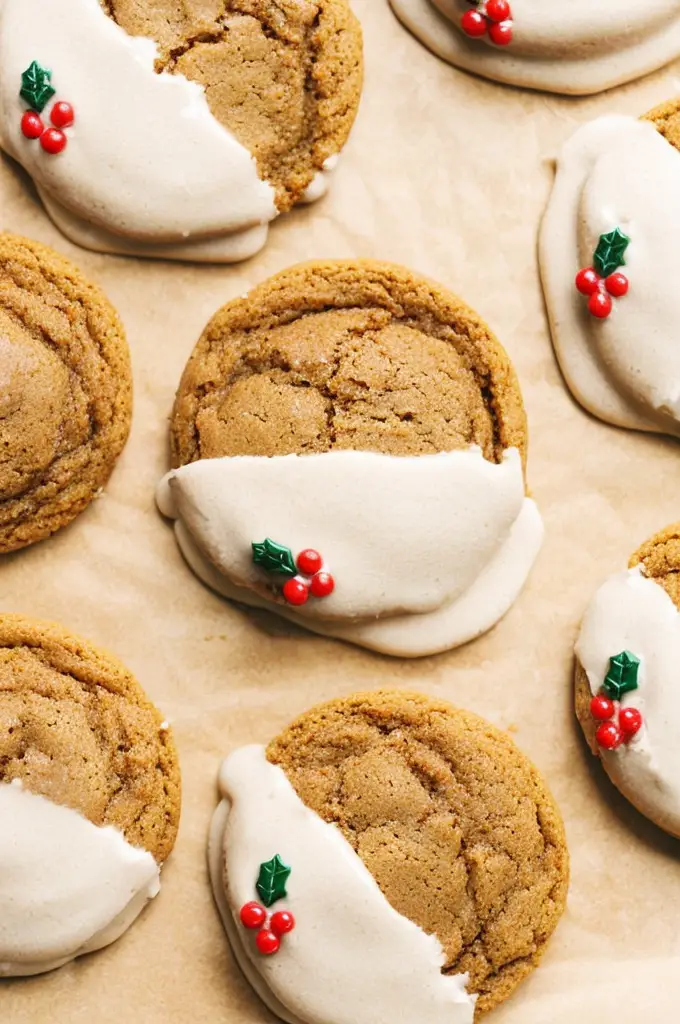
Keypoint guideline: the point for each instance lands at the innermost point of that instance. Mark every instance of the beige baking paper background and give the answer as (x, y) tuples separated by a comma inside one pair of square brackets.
[(449, 175)]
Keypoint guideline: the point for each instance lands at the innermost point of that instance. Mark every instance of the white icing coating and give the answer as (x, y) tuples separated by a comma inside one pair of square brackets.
[(147, 170), (575, 47), (352, 959), (67, 887), (426, 551), (631, 612), (618, 171)]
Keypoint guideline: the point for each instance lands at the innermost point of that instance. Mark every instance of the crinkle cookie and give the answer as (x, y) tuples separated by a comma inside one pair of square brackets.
[(626, 678), (576, 48), (608, 261), (387, 857), (178, 130), (89, 797), (65, 392), (349, 443)]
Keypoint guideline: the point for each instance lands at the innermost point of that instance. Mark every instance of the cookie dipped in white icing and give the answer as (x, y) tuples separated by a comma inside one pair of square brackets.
[(67, 887), (617, 174), (146, 169), (425, 552), (575, 47), (350, 957)]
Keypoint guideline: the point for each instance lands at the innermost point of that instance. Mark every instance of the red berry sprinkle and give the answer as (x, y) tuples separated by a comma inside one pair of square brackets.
[(32, 125), (630, 722), (62, 115), (253, 915), (53, 141), (309, 562), (587, 281), (282, 922), (322, 584), (602, 708), (296, 592), (609, 736), (617, 284), (473, 24), (267, 942), (500, 33), (600, 305), (497, 10)]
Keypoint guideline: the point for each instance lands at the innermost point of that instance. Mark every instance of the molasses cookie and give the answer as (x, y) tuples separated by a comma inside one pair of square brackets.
[(177, 130), (65, 392), (626, 678), (349, 444), (389, 851), (574, 48), (89, 797), (609, 266)]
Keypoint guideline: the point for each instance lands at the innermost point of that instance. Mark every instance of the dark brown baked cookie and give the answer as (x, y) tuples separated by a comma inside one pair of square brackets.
[(347, 355), (76, 728), (452, 820), (284, 76), (65, 391)]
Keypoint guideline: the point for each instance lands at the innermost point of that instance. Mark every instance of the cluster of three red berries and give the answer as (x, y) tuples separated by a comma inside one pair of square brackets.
[(269, 935), (609, 735), (493, 17), (53, 140), (601, 289), (317, 583)]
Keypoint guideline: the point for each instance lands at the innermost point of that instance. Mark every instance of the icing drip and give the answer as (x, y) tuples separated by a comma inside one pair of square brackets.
[(67, 887), (574, 48), (148, 168), (630, 612), (626, 370), (352, 959), (426, 552)]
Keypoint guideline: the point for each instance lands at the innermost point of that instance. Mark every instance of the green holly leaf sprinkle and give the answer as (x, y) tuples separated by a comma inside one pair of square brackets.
[(271, 882), (609, 253), (36, 88), (622, 676), (273, 557)]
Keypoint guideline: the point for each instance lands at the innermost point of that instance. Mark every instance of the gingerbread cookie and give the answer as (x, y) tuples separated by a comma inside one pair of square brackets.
[(626, 669), (389, 851), (65, 392), (89, 797), (607, 252), (349, 442), (179, 131), (574, 48)]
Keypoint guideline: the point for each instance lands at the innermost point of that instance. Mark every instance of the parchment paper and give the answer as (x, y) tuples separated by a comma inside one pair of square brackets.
[(449, 175)]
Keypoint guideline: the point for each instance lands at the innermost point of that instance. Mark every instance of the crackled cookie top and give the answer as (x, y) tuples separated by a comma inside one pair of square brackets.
[(453, 827), (574, 48), (89, 793), (65, 391)]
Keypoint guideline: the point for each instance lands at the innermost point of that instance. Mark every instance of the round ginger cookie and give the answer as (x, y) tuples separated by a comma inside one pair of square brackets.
[(388, 810), (90, 784), (626, 669), (357, 411), (66, 394)]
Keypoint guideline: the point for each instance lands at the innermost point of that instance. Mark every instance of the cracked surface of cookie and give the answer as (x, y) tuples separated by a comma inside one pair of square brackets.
[(453, 822), (65, 394), (347, 355)]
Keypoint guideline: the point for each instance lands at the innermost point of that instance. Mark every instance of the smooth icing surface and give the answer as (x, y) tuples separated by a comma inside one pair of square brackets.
[(574, 47), (352, 959), (426, 551), (147, 168), (618, 171), (630, 612), (67, 887)]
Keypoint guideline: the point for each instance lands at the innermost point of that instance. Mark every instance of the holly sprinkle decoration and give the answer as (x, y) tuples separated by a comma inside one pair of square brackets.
[(621, 678), (271, 886), (306, 573), (603, 281), (37, 91), (489, 16)]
